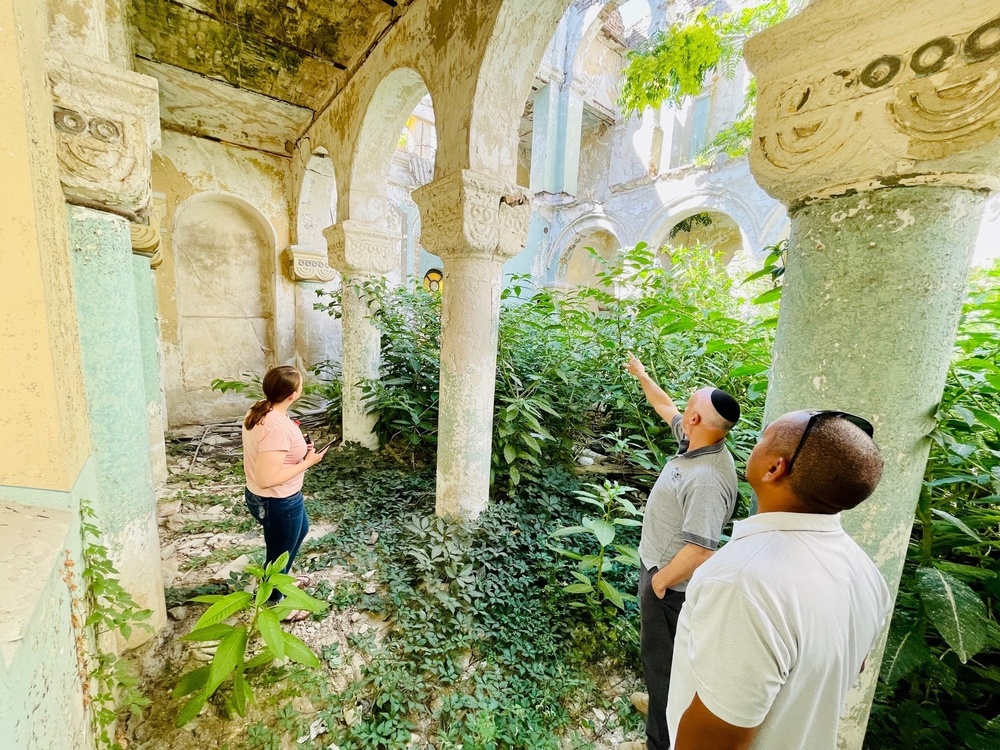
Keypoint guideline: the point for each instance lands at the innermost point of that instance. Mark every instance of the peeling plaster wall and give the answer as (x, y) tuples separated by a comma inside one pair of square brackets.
[(234, 279), (595, 160)]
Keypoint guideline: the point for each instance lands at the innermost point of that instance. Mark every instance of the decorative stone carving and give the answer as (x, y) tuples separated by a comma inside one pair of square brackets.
[(468, 213), (146, 236), (310, 265), (107, 125), (359, 249), (847, 105)]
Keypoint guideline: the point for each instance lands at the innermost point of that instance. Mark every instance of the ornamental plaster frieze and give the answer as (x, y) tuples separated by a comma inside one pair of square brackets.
[(877, 107), (358, 249), (310, 265), (107, 125), (469, 214)]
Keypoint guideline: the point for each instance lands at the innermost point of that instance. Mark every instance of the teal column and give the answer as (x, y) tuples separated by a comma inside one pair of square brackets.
[(115, 382), (881, 139), (149, 345)]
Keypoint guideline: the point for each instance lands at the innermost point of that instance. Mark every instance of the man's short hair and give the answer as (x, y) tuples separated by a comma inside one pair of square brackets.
[(727, 407), (837, 469)]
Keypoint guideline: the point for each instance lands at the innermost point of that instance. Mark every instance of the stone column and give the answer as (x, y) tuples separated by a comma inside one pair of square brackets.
[(360, 252), (107, 123), (880, 134), (474, 222), (146, 258)]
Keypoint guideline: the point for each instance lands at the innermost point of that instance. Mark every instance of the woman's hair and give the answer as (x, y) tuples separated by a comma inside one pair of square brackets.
[(279, 383)]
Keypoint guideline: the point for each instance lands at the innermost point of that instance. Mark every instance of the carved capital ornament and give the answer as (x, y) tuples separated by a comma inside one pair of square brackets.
[(310, 265), (850, 101), (107, 124), (358, 249), (471, 214)]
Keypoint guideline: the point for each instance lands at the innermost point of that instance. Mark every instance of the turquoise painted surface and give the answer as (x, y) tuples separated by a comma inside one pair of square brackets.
[(145, 297), (41, 698), (872, 294), (113, 372)]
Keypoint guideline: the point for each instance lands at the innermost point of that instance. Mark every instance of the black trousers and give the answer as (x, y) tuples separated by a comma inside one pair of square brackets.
[(656, 646)]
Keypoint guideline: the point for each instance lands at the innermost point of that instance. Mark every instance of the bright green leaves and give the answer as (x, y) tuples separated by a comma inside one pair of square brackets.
[(247, 617), (956, 611), (616, 511)]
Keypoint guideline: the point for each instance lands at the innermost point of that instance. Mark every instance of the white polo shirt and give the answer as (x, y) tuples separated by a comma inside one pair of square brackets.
[(775, 629)]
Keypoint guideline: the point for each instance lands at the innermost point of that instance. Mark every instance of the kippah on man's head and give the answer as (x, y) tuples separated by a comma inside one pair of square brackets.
[(727, 406)]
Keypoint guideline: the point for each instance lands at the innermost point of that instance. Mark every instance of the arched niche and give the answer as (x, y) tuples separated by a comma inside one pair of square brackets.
[(578, 267), (710, 228), (317, 334), (224, 251)]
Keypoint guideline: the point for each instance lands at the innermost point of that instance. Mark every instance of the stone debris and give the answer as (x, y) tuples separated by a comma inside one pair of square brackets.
[(169, 569), (373, 538), (168, 508), (178, 613), (317, 728), (236, 566)]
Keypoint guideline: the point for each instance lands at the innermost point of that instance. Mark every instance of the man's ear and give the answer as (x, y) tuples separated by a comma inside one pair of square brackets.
[(777, 467), (695, 418)]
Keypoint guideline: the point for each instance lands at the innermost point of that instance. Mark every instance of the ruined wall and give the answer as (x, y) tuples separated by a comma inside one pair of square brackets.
[(226, 300), (595, 159)]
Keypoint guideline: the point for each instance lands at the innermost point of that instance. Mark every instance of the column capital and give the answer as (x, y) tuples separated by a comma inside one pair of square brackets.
[(472, 214), (852, 100), (107, 123), (309, 264), (358, 248), (146, 236)]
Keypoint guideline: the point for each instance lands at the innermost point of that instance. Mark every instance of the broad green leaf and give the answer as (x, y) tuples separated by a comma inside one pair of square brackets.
[(589, 562), (299, 652), (603, 530), (569, 531), (771, 295), (270, 630), (611, 593), (990, 420), (224, 608), (191, 709), (580, 577), (264, 592), (964, 414), (956, 523), (215, 632), (299, 599), (193, 680), (905, 650), (627, 522), (509, 453), (578, 588), (264, 657), (241, 693), (227, 656), (956, 611), (207, 598)]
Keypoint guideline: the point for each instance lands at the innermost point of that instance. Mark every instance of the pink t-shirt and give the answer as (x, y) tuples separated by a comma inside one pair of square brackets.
[(276, 432)]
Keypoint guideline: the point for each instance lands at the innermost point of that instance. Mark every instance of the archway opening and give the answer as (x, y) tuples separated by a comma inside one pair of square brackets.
[(586, 257), (711, 229)]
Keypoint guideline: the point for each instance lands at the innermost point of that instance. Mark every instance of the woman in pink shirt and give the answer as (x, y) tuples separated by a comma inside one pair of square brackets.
[(275, 458)]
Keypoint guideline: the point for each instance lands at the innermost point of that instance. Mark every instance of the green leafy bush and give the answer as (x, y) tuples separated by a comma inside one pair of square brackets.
[(230, 660)]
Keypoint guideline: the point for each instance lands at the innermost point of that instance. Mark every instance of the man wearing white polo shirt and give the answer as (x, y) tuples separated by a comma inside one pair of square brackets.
[(777, 624)]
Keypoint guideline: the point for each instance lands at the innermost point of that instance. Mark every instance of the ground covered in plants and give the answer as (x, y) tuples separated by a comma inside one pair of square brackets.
[(437, 635)]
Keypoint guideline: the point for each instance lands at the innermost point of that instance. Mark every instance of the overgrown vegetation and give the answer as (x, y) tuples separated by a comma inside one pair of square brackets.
[(676, 62), (110, 687)]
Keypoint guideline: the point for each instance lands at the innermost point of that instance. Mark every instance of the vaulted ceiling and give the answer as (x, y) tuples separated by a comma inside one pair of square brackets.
[(254, 72)]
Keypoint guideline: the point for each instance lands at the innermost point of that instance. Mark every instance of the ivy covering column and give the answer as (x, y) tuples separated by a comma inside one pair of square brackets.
[(359, 251), (475, 223), (881, 138)]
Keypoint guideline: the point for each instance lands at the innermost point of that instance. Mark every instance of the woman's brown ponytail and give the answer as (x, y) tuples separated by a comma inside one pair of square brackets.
[(279, 383)]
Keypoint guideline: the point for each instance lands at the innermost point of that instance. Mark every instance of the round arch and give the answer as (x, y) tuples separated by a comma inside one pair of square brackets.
[(658, 226), (578, 266), (387, 111), (585, 225)]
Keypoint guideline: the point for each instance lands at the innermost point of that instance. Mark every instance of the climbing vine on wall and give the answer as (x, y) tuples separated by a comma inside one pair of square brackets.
[(676, 61)]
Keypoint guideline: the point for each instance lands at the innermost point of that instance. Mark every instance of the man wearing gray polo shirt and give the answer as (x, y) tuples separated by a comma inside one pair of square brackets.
[(689, 505), (779, 624)]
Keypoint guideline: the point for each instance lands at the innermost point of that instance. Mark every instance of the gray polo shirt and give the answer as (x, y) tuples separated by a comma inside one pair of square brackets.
[(693, 498)]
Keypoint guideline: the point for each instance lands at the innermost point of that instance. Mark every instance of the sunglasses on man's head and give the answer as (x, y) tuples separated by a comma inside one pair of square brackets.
[(815, 416)]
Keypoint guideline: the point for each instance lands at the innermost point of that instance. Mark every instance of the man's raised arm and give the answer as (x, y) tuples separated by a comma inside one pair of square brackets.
[(657, 397)]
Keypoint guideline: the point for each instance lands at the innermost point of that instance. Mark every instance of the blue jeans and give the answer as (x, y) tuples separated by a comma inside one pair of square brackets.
[(284, 522)]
